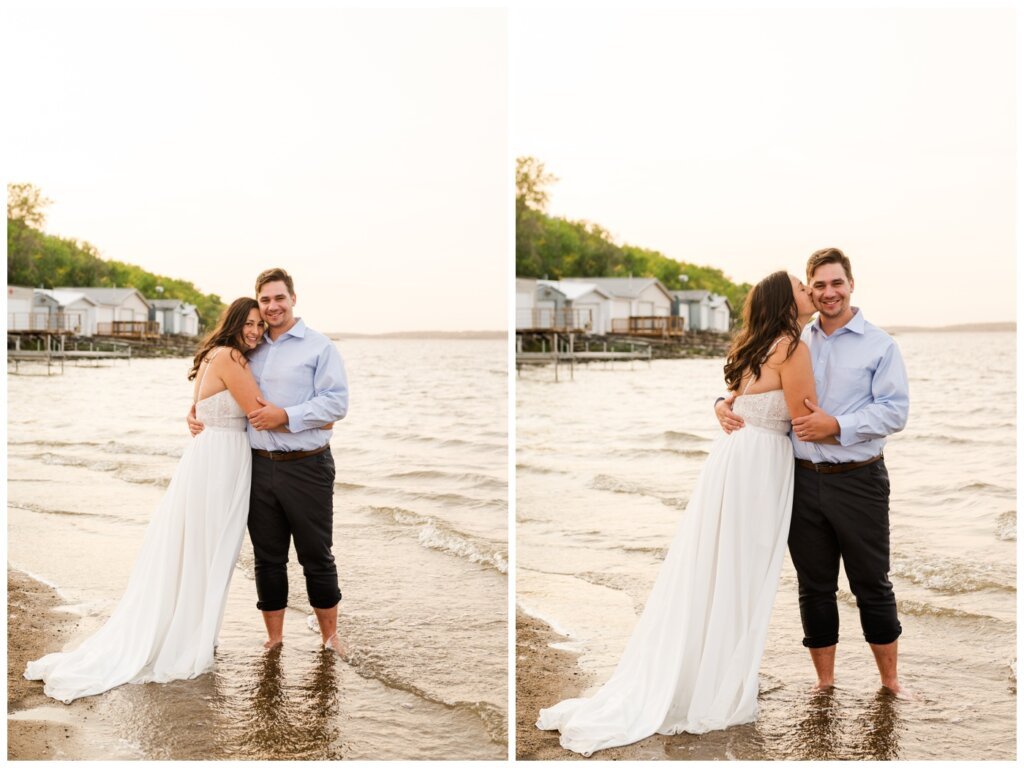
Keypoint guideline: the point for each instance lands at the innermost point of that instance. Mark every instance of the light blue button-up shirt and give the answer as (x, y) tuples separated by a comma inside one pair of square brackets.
[(860, 379), (303, 373)]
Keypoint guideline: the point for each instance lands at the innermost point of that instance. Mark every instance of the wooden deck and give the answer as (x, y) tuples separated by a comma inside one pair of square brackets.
[(659, 326), (129, 329)]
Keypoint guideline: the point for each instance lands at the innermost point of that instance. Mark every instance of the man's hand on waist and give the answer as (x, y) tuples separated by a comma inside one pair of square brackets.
[(815, 427), (269, 417), (194, 425)]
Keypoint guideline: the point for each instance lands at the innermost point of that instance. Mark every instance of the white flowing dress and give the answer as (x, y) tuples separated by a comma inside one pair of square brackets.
[(166, 624), (692, 661)]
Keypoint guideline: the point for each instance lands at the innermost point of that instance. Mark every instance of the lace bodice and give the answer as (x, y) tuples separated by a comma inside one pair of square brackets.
[(765, 409), (221, 412)]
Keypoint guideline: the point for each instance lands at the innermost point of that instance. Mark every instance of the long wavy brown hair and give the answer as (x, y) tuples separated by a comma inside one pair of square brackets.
[(769, 312), (227, 333)]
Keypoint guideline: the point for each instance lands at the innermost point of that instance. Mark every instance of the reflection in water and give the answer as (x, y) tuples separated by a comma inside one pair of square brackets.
[(881, 728), (871, 734), (820, 732), (305, 724), (268, 724)]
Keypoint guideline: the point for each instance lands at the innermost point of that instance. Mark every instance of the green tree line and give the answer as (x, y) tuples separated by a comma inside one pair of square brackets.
[(39, 260), (552, 247)]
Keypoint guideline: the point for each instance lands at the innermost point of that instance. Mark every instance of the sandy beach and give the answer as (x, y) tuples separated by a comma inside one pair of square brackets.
[(545, 676), (34, 628)]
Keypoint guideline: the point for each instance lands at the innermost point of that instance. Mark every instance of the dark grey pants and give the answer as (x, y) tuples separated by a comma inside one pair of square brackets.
[(843, 515), (293, 500)]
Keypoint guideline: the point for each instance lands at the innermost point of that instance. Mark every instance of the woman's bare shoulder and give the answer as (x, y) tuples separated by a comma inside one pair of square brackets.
[(800, 354), (222, 358)]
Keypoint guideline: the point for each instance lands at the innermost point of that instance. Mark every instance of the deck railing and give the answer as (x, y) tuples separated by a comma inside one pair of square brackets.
[(561, 319), (62, 322), (660, 326), (129, 329)]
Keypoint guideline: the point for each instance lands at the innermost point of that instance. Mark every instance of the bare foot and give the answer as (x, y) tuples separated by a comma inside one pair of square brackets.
[(823, 687), (272, 644), (898, 691), (333, 643)]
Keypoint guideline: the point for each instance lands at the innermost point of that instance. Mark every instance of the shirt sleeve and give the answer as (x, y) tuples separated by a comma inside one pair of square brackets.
[(330, 399), (889, 407)]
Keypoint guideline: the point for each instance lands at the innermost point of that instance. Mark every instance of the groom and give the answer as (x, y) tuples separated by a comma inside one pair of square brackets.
[(841, 488), (292, 491)]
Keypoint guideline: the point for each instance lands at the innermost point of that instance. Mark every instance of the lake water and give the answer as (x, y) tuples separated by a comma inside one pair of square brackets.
[(605, 463), (420, 538)]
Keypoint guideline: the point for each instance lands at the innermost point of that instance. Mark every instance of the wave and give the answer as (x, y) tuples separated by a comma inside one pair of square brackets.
[(121, 470), (148, 449), (915, 608), (659, 552), (945, 574), (690, 453), (523, 467), (675, 502), (986, 487), (618, 485), (349, 486), (925, 609), (450, 442), (945, 439), (473, 479), (684, 437), (39, 509), (1006, 526), (438, 535), (368, 665), (447, 498)]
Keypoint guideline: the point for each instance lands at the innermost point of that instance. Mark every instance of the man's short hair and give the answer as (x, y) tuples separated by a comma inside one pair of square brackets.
[(270, 275), (828, 256)]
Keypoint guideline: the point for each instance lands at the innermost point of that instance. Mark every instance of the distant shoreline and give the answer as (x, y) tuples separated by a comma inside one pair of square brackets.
[(423, 335), (964, 328)]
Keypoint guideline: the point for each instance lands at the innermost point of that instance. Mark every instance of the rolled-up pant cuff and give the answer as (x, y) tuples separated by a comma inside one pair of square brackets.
[(884, 639), (271, 606), (325, 603), (821, 641)]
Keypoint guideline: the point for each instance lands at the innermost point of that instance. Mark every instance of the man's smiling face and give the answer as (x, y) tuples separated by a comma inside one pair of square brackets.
[(830, 291), (276, 304)]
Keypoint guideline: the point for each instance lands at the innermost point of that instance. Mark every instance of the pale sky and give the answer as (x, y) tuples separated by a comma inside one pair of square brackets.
[(366, 152), (747, 139)]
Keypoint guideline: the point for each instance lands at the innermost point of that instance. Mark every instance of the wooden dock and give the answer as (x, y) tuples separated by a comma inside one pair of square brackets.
[(569, 348), (54, 349)]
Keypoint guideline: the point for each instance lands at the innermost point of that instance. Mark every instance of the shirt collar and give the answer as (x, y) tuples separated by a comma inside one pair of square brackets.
[(855, 324), (298, 331)]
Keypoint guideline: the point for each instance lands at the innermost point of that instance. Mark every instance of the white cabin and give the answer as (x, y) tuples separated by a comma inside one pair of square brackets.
[(66, 310), (174, 316), (116, 305)]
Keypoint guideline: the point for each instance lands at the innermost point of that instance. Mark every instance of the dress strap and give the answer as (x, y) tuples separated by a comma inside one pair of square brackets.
[(208, 360), (763, 361)]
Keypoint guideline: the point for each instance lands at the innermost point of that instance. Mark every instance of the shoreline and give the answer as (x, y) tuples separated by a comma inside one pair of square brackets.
[(545, 676), (36, 625)]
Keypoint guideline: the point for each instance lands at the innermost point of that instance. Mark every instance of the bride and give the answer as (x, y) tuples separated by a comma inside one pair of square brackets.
[(166, 625), (692, 661)]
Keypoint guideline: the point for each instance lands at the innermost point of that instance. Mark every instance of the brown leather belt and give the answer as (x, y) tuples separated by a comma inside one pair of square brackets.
[(288, 455), (830, 469)]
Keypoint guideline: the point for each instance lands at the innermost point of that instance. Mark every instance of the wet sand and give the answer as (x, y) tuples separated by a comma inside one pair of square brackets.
[(857, 720), (36, 627), (545, 676)]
